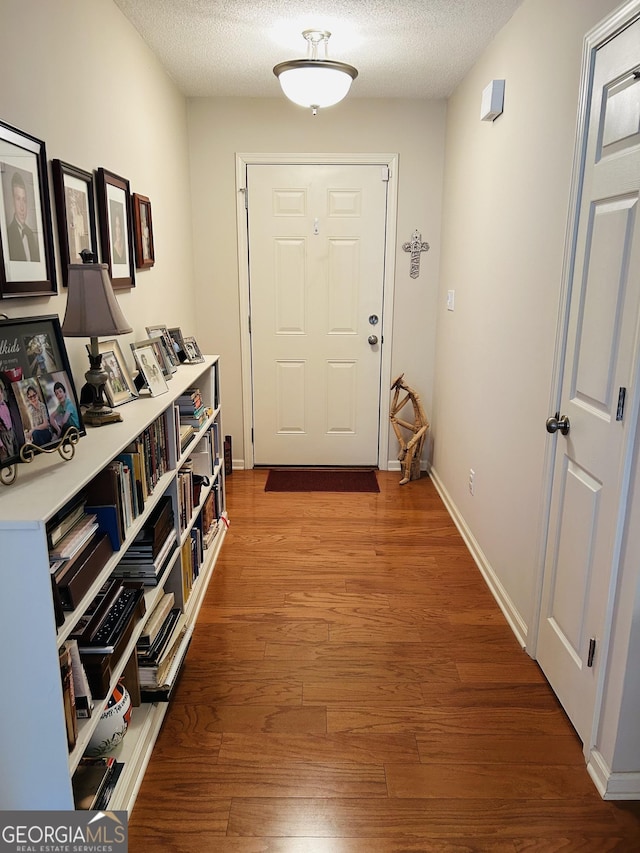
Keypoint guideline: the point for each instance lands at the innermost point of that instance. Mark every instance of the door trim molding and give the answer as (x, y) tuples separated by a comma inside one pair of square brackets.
[(249, 159), (604, 31)]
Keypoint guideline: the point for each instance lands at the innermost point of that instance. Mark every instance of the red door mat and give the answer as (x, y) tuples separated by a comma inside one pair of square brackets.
[(322, 480)]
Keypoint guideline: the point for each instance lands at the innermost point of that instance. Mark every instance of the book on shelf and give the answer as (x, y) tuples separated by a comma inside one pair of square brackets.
[(156, 620), (68, 697), (155, 675), (149, 571), (101, 803), (74, 539), (74, 577), (90, 780), (82, 692), (62, 522)]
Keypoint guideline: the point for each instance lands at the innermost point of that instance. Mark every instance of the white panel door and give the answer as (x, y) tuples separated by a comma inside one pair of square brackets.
[(316, 272), (601, 368)]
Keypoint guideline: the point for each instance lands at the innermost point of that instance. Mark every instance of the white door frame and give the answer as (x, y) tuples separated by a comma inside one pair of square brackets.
[(391, 162), (596, 37)]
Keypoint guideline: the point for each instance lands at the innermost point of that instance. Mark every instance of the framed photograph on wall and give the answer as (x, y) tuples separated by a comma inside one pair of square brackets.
[(116, 228), (143, 229), (27, 265), (147, 362), (75, 213), (119, 387), (38, 400)]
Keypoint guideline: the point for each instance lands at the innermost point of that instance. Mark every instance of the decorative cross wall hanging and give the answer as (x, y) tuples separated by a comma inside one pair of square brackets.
[(415, 246)]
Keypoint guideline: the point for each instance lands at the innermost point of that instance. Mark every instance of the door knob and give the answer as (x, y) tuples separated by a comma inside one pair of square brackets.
[(557, 422), (373, 339)]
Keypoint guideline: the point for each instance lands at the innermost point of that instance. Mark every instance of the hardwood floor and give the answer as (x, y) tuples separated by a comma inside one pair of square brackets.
[(352, 687)]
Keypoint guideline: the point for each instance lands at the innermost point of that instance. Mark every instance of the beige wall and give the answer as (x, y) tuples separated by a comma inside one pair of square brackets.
[(504, 219), (220, 128), (77, 76)]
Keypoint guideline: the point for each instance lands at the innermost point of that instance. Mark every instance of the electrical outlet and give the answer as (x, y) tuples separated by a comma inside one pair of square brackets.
[(472, 481)]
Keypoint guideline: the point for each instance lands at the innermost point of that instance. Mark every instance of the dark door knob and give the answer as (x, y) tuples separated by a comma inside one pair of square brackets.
[(558, 423)]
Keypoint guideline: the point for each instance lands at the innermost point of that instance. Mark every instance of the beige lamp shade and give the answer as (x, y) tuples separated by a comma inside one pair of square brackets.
[(92, 308)]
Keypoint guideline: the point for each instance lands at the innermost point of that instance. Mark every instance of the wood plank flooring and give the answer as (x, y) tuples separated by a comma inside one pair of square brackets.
[(352, 687)]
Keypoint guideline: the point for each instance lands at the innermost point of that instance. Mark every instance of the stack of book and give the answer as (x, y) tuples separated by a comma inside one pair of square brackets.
[(150, 553), (94, 781), (192, 410), (158, 649)]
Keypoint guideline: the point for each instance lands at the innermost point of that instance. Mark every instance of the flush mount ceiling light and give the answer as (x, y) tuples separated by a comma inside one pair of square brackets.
[(314, 82)]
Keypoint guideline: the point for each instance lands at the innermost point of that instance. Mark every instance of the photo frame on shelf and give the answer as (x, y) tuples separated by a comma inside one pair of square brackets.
[(27, 263), (163, 333), (143, 230), (119, 387), (192, 350), (116, 230), (177, 342), (146, 359), (38, 399), (75, 213)]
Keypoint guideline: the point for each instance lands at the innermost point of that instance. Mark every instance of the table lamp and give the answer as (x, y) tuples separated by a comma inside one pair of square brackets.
[(93, 312)]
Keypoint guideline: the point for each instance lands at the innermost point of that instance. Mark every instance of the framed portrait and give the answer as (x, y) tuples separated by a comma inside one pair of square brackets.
[(26, 244), (147, 362), (75, 213), (163, 333), (192, 350), (143, 230), (116, 230), (119, 387), (177, 342), (38, 400)]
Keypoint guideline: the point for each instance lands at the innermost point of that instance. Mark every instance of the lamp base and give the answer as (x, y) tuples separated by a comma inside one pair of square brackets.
[(100, 417)]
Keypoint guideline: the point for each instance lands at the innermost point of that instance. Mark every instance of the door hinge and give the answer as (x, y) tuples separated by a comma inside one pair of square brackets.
[(245, 193), (592, 651), (385, 173), (249, 322), (622, 393), (251, 435)]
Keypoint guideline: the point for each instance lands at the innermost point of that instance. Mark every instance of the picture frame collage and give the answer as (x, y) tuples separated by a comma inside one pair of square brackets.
[(88, 206), (95, 211)]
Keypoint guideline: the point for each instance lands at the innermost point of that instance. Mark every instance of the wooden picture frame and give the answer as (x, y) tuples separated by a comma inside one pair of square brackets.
[(143, 230), (119, 387), (192, 351), (33, 410), (163, 333), (116, 229), (75, 213), (147, 363), (27, 262)]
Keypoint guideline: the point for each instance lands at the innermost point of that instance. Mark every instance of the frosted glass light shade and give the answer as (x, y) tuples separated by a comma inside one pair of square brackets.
[(315, 82)]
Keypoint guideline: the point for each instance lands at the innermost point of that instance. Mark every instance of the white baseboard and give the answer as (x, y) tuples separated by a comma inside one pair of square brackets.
[(612, 786), (511, 614)]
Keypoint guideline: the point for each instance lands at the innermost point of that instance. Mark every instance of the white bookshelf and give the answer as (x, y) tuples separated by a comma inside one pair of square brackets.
[(37, 766)]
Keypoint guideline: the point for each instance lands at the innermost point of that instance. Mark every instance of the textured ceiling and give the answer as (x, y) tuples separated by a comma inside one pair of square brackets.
[(401, 48)]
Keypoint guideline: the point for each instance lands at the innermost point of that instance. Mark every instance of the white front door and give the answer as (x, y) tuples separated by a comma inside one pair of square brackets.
[(599, 390), (316, 274)]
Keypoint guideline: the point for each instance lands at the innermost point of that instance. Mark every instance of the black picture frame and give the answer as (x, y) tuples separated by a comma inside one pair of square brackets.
[(143, 225), (75, 213), (27, 261), (33, 362), (116, 227)]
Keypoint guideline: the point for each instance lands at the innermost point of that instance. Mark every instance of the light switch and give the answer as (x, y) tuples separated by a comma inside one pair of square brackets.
[(451, 298)]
